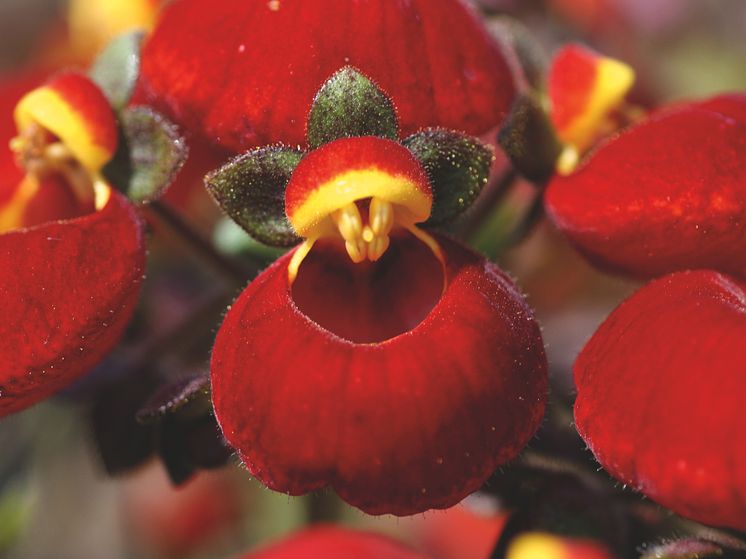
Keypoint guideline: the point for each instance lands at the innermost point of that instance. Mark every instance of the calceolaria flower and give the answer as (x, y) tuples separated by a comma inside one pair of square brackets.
[(378, 357), (71, 248), (564, 110), (667, 194), (667, 368), (586, 94)]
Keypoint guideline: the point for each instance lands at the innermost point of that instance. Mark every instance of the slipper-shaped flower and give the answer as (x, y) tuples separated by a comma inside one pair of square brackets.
[(243, 73), (552, 125), (71, 248), (668, 194), (393, 364), (661, 387)]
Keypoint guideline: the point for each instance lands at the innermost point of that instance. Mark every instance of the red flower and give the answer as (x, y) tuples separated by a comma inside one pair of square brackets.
[(394, 365), (585, 89), (71, 249), (660, 395), (247, 72), (669, 194), (336, 543), (541, 545)]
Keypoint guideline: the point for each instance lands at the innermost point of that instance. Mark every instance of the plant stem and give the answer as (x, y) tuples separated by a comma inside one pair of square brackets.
[(529, 221), (493, 194), (230, 269)]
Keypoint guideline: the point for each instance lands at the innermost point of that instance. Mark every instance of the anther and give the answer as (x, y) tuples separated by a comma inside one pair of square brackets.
[(368, 241), (349, 222)]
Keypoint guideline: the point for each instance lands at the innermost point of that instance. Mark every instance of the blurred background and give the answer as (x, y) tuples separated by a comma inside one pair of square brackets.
[(56, 499)]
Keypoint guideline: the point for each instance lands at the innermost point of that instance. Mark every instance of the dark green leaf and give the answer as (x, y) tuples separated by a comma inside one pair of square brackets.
[(458, 167), (528, 139), (115, 70), (151, 152), (251, 190), (347, 105), (186, 397)]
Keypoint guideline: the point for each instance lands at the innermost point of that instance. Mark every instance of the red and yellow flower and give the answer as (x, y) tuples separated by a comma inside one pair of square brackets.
[(71, 249), (668, 194), (586, 92), (388, 362)]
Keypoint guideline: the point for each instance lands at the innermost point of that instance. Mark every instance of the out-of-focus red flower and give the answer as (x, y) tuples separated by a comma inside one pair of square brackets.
[(660, 395), (171, 522), (588, 14), (336, 543), (585, 91), (540, 545), (668, 194), (249, 70), (71, 249), (459, 533)]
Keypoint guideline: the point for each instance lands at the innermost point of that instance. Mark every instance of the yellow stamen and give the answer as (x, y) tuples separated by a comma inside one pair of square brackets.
[(41, 156), (300, 254), (369, 241), (381, 216), (349, 222), (568, 160), (11, 214)]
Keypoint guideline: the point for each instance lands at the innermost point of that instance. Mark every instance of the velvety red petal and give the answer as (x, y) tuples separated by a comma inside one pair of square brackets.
[(249, 69), (414, 422), (732, 105), (336, 543), (667, 195), (67, 290), (660, 395)]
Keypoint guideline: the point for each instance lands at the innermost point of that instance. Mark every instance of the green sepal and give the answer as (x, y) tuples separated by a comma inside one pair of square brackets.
[(116, 69), (251, 190), (528, 139), (232, 240), (150, 154), (458, 167), (185, 398), (350, 104)]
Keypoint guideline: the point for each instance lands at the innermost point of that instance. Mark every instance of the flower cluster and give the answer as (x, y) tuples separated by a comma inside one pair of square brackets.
[(378, 354)]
